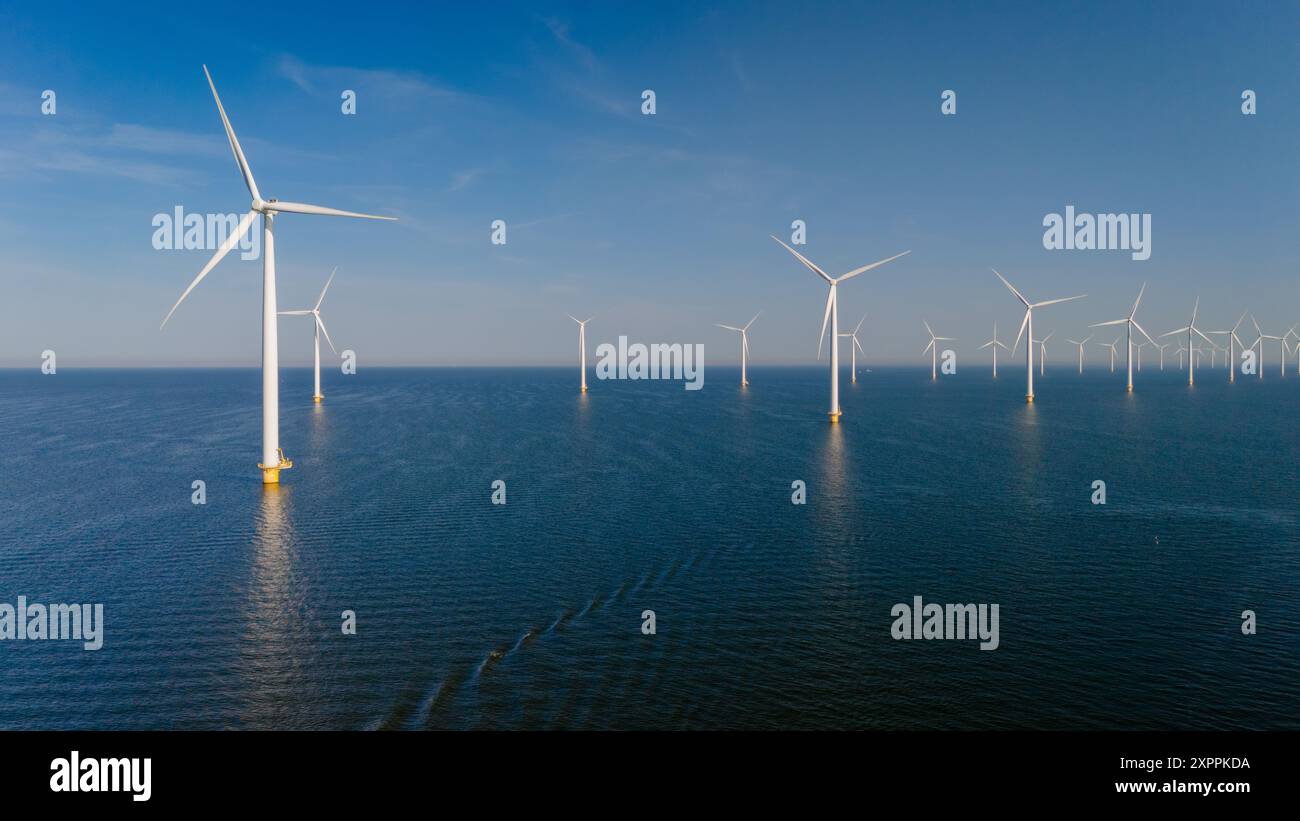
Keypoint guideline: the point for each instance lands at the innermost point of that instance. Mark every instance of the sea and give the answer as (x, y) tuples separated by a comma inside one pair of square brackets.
[(1175, 604)]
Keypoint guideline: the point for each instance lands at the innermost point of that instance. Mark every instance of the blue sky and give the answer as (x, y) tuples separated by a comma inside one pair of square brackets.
[(530, 113)]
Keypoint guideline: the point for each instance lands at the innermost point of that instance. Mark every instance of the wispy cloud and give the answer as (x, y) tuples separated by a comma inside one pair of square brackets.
[(321, 80)]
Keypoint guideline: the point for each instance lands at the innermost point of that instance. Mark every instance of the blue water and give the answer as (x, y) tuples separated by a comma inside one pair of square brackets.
[(642, 495)]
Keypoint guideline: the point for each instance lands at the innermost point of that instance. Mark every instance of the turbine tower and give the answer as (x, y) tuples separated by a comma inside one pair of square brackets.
[(933, 348), (582, 348), (319, 327), (1028, 322), (273, 460), (1080, 343), (832, 316), (1129, 324), (1161, 348), (994, 344), (1191, 329), (854, 347), (744, 347)]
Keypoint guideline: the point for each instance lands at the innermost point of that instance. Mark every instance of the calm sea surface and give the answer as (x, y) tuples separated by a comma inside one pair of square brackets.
[(643, 495)]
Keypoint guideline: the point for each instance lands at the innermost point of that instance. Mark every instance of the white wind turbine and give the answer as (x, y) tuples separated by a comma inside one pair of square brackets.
[(933, 348), (994, 344), (319, 329), (1191, 329), (1114, 351), (1028, 322), (832, 316), (744, 346), (273, 460), (1129, 323), (582, 347), (1042, 352), (1295, 347), (1138, 347), (1260, 342), (1234, 342), (1161, 348), (1080, 343), (854, 347)]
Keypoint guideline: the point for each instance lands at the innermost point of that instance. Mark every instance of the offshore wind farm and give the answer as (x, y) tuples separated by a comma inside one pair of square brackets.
[(712, 524)]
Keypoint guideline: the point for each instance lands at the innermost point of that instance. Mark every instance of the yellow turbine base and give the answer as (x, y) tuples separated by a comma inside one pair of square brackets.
[(1029, 398), (271, 475), (317, 398), (835, 416), (1130, 388), (584, 388)]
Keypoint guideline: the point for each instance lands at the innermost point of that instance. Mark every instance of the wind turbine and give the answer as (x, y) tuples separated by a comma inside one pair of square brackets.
[(1113, 351), (1161, 348), (1129, 323), (994, 344), (1233, 341), (1080, 344), (1042, 353), (319, 329), (744, 347), (832, 316), (582, 347), (1260, 342), (854, 347), (1191, 329), (1138, 347), (273, 460), (1295, 347), (1028, 321), (933, 348)]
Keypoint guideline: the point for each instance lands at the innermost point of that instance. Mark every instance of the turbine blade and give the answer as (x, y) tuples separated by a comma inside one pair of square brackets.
[(1175, 331), (928, 329), (728, 327), (231, 241), (304, 208), (826, 318), (866, 268), (321, 323), (294, 313), (864, 319), (1023, 323), (985, 345), (927, 348), (751, 322), (1054, 301), (327, 286), (859, 346), (1112, 322), (811, 267), (234, 141), (1133, 312), (1202, 336), (1019, 295), (1144, 332)]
